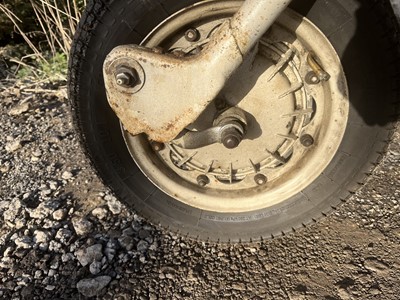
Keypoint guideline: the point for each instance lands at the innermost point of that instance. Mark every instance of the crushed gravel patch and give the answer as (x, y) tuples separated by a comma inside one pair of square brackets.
[(65, 236)]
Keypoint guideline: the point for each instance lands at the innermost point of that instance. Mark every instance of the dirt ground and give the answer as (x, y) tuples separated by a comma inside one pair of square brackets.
[(49, 190)]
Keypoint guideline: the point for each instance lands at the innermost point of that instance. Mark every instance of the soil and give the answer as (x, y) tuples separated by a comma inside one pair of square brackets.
[(48, 186)]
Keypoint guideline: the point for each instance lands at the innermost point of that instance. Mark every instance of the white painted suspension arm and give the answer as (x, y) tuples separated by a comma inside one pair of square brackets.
[(160, 94)]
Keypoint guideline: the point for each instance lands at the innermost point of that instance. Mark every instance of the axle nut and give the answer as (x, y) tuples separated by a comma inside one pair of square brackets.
[(126, 77), (231, 138)]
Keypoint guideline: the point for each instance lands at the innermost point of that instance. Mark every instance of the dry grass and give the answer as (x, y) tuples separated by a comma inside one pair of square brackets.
[(58, 23), (16, 21)]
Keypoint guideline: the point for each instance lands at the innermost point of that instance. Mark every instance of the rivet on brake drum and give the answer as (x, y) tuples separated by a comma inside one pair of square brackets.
[(192, 35), (312, 78), (202, 180), (260, 179), (307, 140)]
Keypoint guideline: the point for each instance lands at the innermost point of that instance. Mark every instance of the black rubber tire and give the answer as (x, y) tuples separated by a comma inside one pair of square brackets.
[(363, 34)]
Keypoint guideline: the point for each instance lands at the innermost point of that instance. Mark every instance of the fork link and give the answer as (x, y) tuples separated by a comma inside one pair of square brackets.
[(228, 128), (135, 93)]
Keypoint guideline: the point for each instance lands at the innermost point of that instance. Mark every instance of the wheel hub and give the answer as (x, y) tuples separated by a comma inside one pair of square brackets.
[(273, 130), (294, 124)]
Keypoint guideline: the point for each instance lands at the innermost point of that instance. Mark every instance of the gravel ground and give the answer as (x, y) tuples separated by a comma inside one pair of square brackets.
[(63, 235)]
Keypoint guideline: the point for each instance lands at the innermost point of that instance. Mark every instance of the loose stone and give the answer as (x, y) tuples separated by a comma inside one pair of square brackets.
[(66, 175), (91, 287), (13, 146), (19, 109), (82, 226)]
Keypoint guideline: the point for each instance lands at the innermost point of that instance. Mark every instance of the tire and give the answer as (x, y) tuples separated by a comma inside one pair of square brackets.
[(363, 34)]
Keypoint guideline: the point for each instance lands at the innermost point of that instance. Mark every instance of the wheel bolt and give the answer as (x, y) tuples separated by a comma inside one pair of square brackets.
[(202, 180), (126, 77), (307, 140), (260, 179), (192, 35)]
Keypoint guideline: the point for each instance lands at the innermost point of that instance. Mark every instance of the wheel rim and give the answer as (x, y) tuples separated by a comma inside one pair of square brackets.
[(295, 124)]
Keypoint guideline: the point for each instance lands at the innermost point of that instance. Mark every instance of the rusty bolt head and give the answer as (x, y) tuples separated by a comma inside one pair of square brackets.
[(307, 140), (202, 180), (192, 35), (126, 77), (260, 179)]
